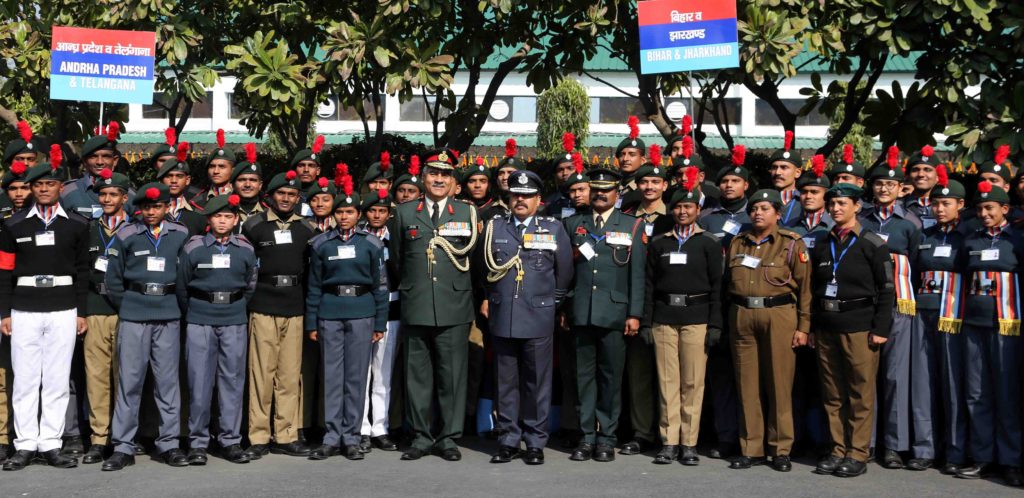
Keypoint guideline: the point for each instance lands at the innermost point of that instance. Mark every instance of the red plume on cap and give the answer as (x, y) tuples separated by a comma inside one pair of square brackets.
[(687, 125), (577, 162), (290, 175), (511, 148), (106, 174), (788, 144), (927, 151), (183, 152), (479, 160), (18, 168), (25, 130), (56, 156), (634, 127), (234, 200), (943, 176), (113, 130), (382, 193), (690, 181), (739, 155), (220, 138), (568, 142), (152, 193), (893, 157), (347, 185), (654, 154), (414, 165), (818, 165), (985, 186), (170, 137), (848, 154), (318, 144), (687, 146), (339, 174), (322, 182), (1002, 154), (385, 161), (250, 153)]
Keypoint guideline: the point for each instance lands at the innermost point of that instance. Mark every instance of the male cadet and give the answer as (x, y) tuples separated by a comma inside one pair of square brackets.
[(476, 185), (26, 150), (44, 271), (529, 269), (999, 174), (921, 170), (347, 312), (220, 165), (785, 168), (175, 174), (247, 182), (630, 155), (216, 277), (379, 174), (409, 186), (18, 191), (100, 343), (641, 367), (281, 238), (683, 155), (557, 205), (98, 153), (901, 231), (813, 185), (306, 164), (164, 151), (141, 273), (609, 301), (431, 254), (507, 165), (768, 282), (850, 170)]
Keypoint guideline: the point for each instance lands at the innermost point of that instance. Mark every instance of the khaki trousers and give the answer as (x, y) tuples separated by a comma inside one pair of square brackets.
[(100, 348), (682, 360), (848, 365), (275, 366), (6, 379)]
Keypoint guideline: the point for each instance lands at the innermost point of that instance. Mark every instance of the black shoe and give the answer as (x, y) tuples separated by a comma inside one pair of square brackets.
[(975, 471), (533, 456), (782, 463), (724, 450), (117, 461), (451, 454), (413, 453), (355, 452), (140, 449), (850, 468), (688, 456), (667, 455), (604, 453), (175, 458), (323, 452), (197, 456), (54, 458), (3, 453), (384, 443), (19, 460), (950, 469), (919, 464), (257, 451), (234, 454), (582, 453), (634, 447), (1013, 477), (744, 462), (294, 448), (364, 444), (73, 446), (505, 454), (94, 455), (892, 460), (828, 465)]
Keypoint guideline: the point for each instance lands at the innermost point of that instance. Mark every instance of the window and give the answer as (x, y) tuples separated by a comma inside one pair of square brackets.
[(201, 109), (524, 109), (617, 110), (765, 116), (416, 110), (733, 107)]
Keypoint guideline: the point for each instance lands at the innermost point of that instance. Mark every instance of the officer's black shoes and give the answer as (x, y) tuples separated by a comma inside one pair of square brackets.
[(688, 456), (892, 460), (140, 449), (233, 454), (723, 450), (54, 458), (384, 443), (633, 447), (294, 448), (667, 455), (505, 454), (950, 469), (3, 453), (451, 454), (582, 453), (197, 456), (1013, 477), (73, 446), (118, 461), (364, 444), (919, 464), (828, 465), (19, 460), (850, 468), (354, 452), (533, 456), (175, 458), (744, 462), (974, 471), (782, 463), (323, 452), (257, 451), (604, 453), (94, 455)]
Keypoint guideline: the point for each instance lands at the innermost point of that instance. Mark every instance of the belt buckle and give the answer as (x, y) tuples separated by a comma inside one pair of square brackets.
[(755, 302), (830, 305), (154, 289), (677, 300), (348, 290), (284, 281), (220, 297), (44, 280)]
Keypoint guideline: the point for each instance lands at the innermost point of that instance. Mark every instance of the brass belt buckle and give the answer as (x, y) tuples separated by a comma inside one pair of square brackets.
[(44, 280)]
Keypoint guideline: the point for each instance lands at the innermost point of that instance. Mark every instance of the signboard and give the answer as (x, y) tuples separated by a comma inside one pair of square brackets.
[(102, 65), (687, 35)]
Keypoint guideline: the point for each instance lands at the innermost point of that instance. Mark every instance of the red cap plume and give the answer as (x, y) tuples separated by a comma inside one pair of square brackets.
[(943, 175), (414, 165), (322, 182), (687, 146), (318, 144), (848, 154), (687, 125), (1002, 154), (577, 162), (382, 193), (634, 127), (454, 153), (170, 137), (25, 130), (113, 130), (220, 138), (818, 165), (385, 161), (511, 148), (893, 157), (290, 175), (56, 156), (739, 155), (654, 154), (789, 141), (927, 151), (347, 185), (183, 152), (106, 174), (479, 160), (690, 181), (152, 193), (18, 168), (340, 171), (568, 142), (250, 153), (234, 200), (985, 186)]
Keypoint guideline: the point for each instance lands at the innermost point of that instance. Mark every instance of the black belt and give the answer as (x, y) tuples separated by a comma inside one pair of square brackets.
[(151, 289), (847, 305), (99, 287), (346, 290), (684, 300), (280, 280), (217, 297), (763, 302)]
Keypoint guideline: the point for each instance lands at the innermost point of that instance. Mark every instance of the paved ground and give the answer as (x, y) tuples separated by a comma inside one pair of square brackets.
[(383, 474)]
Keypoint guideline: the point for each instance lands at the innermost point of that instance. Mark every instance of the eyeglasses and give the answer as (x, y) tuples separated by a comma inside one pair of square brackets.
[(886, 185)]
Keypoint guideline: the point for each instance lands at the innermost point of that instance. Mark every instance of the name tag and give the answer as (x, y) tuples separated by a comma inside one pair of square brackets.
[(649, 229), (101, 264), (619, 238), (831, 290), (305, 210), (45, 238), (346, 252), (567, 212), (677, 258), (942, 252), (990, 254), (618, 203), (884, 236), (221, 261), (23, 239), (154, 263), (387, 255), (731, 227), (587, 251), (924, 246), (392, 297), (282, 237), (454, 229), (539, 241), (142, 253), (97, 211), (809, 242), (750, 261)]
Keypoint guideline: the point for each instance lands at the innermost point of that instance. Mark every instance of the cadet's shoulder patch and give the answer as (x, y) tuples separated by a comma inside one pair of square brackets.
[(711, 235), (873, 238), (254, 220), (244, 242), (195, 242), (77, 218), (174, 226), (318, 240), (804, 258), (373, 239), (129, 230)]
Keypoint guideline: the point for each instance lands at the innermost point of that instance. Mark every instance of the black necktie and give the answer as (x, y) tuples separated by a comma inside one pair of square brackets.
[(521, 228), (434, 215), (600, 222)]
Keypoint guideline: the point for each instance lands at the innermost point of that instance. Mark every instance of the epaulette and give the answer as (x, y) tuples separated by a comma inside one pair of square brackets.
[(873, 238), (254, 220), (711, 235), (175, 226), (550, 219), (661, 236), (244, 242), (789, 233), (193, 243), (318, 240), (133, 228), (308, 224), (77, 218)]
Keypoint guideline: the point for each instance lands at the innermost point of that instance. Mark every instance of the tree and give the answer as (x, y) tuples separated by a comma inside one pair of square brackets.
[(562, 108)]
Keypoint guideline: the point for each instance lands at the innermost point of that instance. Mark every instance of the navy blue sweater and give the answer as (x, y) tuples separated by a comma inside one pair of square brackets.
[(332, 264), (202, 267), (130, 262)]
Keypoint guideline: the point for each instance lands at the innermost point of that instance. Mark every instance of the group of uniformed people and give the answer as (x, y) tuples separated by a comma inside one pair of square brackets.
[(865, 311)]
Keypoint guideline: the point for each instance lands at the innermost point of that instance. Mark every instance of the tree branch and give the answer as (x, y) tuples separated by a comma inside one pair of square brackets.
[(854, 101)]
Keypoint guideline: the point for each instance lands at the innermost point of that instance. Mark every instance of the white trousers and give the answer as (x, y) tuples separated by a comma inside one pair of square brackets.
[(378, 384), (41, 348)]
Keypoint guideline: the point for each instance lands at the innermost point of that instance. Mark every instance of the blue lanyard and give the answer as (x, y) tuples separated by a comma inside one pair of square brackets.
[(835, 260), (154, 240), (106, 243), (789, 212)]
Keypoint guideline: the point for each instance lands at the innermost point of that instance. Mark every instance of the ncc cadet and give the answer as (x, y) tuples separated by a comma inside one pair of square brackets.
[(815, 221), (476, 185), (98, 153), (431, 254), (641, 369), (16, 196), (175, 174), (44, 271), (409, 186), (529, 269), (506, 167), (140, 279), (164, 151), (281, 239), (247, 182), (26, 149), (607, 306), (991, 260), (101, 342), (683, 155), (220, 165), (558, 205), (379, 174), (321, 196), (347, 311), (768, 282), (921, 171), (901, 230), (630, 155), (216, 277), (377, 209), (850, 170), (682, 301), (785, 169), (853, 295), (730, 218), (938, 362), (999, 173), (306, 164)]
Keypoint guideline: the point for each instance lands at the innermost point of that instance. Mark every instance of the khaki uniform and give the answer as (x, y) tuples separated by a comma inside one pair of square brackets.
[(101, 374), (761, 333)]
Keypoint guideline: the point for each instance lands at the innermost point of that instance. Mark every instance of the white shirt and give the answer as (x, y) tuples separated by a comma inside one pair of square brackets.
[(440, 206), (35, 212)]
